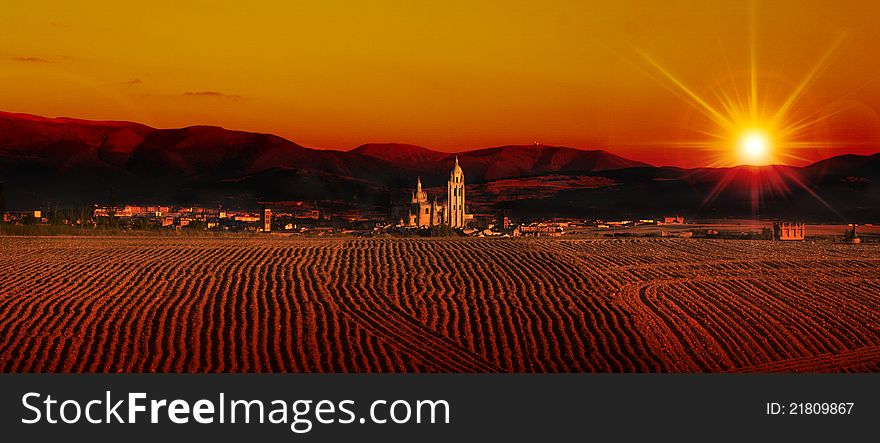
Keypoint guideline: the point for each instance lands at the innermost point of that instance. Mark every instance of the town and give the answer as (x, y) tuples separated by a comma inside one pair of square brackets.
[(420, 215)]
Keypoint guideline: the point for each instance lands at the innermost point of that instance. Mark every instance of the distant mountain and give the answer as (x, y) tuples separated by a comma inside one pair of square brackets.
[(70, 161), (399, 153), (66, 144), (63, 159), (71, 146), (833, 190), (845, 168), (516, 161), (496, 163)]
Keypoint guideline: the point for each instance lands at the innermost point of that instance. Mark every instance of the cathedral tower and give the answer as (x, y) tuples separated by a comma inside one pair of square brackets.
[(455, 202)]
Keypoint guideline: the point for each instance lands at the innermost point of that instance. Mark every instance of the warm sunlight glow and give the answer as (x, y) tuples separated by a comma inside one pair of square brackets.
[(337, 74), (754, 147), (761, 121)]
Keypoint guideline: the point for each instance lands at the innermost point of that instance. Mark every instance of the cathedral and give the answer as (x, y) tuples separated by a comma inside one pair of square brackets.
[(422, 212)]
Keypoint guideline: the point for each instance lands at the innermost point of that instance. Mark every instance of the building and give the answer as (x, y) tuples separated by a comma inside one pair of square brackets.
[(455, 199), (677, 220), (424, 212), (851, 236), (504, 222), (788, 231), (266, 219), (421, 212), (539, 230)]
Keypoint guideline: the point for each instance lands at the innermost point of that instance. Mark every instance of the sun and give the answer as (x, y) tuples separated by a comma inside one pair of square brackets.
[(755, 147), (754, 123)]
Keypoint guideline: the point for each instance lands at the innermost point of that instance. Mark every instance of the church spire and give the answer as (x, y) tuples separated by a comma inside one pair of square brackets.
[(456, 169), (419, 186)]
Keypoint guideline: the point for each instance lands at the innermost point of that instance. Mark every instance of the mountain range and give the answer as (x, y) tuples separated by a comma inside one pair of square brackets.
[(71, 161)]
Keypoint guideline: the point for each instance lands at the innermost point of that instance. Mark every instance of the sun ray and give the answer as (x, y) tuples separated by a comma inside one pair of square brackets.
[(703, 105), (730, 105), (753, 55), (794, 157), (714, 135), (751, 125), (799, 89), (830, 143), (738, 104), (752, 129), (794, 128), (799, 181)]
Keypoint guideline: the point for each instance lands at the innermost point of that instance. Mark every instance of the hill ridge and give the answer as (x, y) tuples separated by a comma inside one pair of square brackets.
[(69, 160)]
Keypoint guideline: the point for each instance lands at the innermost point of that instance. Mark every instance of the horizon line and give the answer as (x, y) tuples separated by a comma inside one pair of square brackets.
[(606, 149)]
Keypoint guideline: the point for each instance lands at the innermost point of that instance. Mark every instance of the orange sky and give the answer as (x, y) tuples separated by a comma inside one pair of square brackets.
[(448, 75)]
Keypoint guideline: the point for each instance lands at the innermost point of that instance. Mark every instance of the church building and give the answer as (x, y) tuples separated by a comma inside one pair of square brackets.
[(424, 212)]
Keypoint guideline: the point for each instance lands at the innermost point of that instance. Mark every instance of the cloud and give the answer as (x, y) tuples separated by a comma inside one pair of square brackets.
[(212, 94), (132, 82), (30, 59)]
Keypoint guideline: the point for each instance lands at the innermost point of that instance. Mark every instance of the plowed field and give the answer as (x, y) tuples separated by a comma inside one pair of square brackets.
[(155, 304)]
